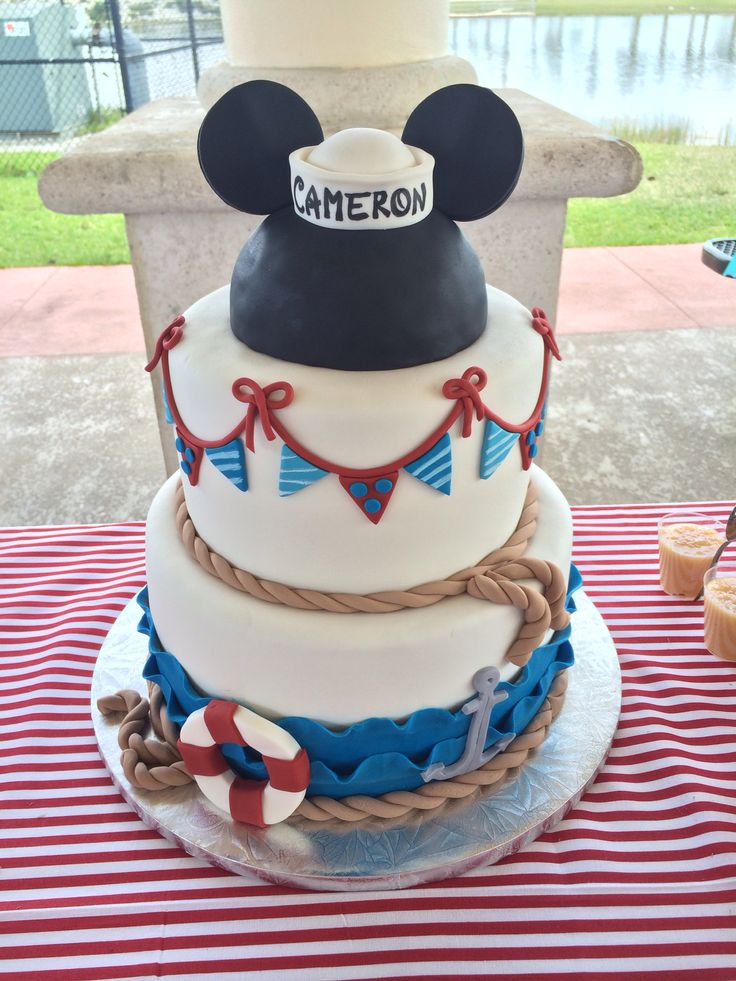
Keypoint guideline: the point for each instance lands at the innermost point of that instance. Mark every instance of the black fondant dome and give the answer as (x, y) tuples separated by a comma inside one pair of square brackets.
[(357, 300), (372, 273)]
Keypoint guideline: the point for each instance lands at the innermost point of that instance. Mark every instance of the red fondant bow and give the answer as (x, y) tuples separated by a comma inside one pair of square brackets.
[(467, 391), (169, 337), (261, 402), (543, 327)]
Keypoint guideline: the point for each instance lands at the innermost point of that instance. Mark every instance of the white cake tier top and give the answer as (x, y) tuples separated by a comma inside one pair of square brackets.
[(358, 422)]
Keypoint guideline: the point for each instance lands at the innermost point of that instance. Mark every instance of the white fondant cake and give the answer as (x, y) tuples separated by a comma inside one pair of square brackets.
[(358, 541)]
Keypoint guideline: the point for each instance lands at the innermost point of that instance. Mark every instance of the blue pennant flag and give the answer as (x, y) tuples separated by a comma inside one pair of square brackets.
[(497, 444), (296, 473), (167, 411), (435, 466), (230, 461)]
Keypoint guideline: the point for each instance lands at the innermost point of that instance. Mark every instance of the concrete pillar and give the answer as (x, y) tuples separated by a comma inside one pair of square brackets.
[(333, 33), (356, 62)]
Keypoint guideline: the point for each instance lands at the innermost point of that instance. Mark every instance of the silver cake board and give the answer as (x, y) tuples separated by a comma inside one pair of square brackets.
[(378, 854)]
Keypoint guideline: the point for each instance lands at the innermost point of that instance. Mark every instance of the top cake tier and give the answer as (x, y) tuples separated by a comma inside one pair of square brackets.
[(356, 481)]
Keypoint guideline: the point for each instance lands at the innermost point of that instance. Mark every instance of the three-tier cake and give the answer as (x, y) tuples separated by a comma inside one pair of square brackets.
[(359, 583)]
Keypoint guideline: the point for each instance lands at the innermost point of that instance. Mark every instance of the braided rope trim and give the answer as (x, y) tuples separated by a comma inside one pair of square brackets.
[(154, 766), (148, 764), (494, 578)]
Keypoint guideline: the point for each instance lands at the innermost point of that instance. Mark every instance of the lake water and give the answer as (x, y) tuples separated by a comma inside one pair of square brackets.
[(657, 69), (677, 68)]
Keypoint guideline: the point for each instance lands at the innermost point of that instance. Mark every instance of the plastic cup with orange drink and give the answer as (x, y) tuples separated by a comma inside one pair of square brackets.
[(687, 544), (720, 610)]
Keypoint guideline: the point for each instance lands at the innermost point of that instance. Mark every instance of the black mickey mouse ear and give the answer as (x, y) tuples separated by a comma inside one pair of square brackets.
[(245, 141), (478, 148)]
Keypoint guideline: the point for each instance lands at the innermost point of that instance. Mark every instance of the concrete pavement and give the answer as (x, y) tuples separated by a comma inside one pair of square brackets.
[(635, 287), (94, 310)]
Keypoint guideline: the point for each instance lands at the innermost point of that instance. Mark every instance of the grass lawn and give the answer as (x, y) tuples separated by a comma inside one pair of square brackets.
[(687, 194), (31, 235), (554, 8), (558, 8)]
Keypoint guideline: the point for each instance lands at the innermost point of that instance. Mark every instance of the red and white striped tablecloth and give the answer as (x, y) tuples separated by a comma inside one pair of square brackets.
[(638, 882)]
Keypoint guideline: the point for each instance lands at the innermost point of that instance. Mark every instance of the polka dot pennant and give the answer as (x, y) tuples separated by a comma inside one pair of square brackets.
[(296, 473), (371, 495), (530, 440), (532, 437), (497, 444), (230, 461), (190, 458), (435, 466)]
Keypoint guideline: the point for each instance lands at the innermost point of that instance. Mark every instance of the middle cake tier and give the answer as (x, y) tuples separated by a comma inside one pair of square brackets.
[(336, 668)]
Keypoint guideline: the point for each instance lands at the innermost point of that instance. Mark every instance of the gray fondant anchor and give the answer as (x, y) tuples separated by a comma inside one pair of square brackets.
[(485, 683)]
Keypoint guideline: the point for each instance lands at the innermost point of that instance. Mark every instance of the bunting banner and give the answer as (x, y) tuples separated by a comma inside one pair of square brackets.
[(371, 495), (434, 467), (230, 461), (167, 409), (431, 462), (296, 473), (497, 444)]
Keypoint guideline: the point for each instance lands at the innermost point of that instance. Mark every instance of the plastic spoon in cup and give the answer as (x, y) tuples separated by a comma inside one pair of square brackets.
[(730, 536)]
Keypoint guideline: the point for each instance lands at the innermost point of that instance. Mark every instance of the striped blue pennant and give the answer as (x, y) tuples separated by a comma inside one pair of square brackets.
[(435, 466), (497, 444), (167, 411), (296, 473), (230, 461)]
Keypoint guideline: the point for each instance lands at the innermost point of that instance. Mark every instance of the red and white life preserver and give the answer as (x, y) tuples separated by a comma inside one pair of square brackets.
[(258, 802)]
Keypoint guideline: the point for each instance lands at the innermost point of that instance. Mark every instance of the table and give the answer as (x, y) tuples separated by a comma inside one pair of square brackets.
[(639, 881)]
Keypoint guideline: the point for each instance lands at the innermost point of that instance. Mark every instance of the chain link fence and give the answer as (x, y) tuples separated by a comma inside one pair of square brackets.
[(70, 67)]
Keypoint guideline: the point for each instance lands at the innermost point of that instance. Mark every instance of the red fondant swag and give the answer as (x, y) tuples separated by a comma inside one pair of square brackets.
[(372, 486)]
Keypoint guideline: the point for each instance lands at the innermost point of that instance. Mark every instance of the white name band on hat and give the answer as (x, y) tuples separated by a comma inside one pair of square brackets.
[(362, 201)]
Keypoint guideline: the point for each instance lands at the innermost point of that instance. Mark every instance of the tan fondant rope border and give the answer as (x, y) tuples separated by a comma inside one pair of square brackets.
[(152, 765), (495, 578)]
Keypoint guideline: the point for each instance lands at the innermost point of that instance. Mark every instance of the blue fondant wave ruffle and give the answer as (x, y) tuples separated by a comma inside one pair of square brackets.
[(376, 755)]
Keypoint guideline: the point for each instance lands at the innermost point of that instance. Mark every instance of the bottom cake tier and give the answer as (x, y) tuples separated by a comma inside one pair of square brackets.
[(378, 704)]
